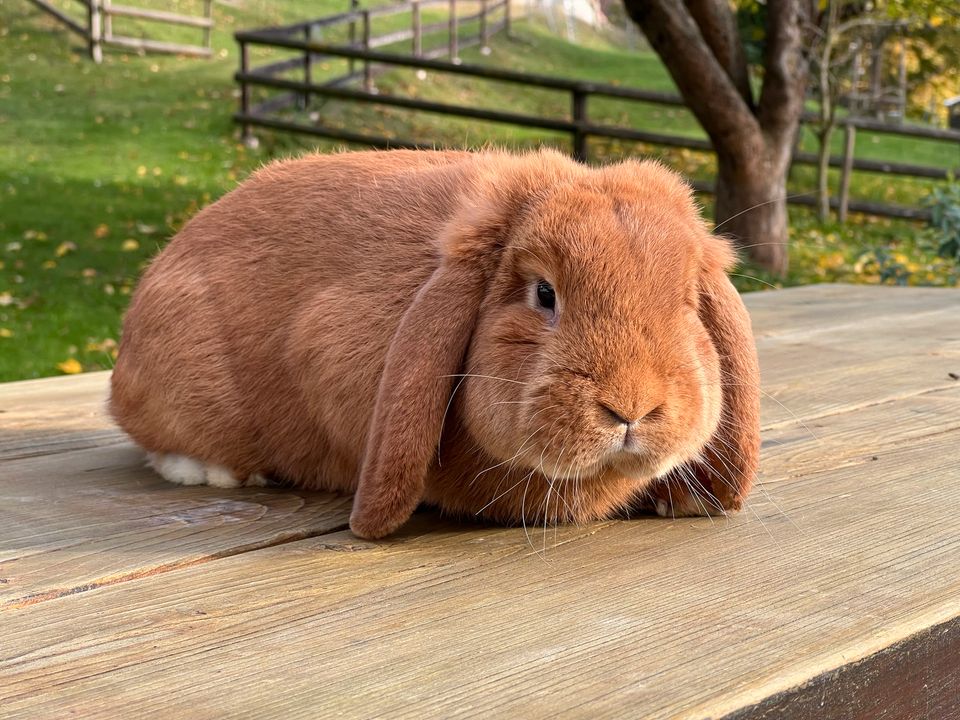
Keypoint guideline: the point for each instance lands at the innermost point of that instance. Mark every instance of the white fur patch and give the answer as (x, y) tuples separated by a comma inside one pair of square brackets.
[(219, 476), (257, 480), (182, 470), (178, 469)]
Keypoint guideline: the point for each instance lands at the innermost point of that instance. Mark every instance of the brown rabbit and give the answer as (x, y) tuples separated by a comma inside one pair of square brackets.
[(521, 338)]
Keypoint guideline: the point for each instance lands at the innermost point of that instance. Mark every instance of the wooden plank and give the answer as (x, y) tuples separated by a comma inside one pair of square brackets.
[(857, 436), (161, 16), (391, 38), (71, 522), (42, 417), (814, 307), (916, 678), (450, 619), (810, 589)]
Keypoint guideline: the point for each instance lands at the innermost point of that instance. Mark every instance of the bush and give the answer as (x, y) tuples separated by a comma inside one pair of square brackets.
[(944, 204)]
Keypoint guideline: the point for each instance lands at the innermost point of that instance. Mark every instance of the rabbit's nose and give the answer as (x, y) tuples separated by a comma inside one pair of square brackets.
[(631, 426), (616, 415)]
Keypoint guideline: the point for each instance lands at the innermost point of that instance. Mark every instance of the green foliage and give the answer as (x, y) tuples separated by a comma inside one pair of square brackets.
[(752, 23), (944, 204)]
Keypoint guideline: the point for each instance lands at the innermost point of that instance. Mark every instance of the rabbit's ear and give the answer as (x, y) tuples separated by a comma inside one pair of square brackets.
[(732, 456), (426, 352)]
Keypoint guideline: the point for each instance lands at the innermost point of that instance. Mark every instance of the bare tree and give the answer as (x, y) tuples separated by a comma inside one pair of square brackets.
[(700, 45), (840, 40)]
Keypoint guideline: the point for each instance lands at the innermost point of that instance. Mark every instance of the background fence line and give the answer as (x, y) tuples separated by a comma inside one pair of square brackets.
[(578, 125), (97, 29)]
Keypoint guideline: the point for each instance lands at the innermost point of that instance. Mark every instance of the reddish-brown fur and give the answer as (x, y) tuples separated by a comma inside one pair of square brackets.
[(314, 323)]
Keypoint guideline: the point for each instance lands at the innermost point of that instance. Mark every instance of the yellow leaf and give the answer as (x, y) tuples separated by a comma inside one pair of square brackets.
[(70, 367), (6, 332), (65, 247), (129, 245), (141, 171), (49, 264)]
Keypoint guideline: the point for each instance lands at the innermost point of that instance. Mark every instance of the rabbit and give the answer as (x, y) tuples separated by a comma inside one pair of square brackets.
[(516, 337)]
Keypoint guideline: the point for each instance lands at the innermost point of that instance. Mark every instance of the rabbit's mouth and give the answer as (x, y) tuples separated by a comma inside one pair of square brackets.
[(633, 464), (643, 466)]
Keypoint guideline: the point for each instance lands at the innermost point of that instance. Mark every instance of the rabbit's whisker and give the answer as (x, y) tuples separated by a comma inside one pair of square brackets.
[(751, 277), (760, 205), (484, 377), (443, 420), (510, 460)]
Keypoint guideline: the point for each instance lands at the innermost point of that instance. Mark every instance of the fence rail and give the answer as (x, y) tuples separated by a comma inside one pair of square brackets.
[(578, 125), (97, 28)]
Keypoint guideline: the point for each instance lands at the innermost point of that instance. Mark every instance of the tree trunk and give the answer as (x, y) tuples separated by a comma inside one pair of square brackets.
[(699, 43), (751, 204), (824, 135), (827, 110)]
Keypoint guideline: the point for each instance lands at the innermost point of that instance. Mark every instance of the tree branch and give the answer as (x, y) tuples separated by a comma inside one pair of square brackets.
[(785, 66), (706, 87), (719, 29)]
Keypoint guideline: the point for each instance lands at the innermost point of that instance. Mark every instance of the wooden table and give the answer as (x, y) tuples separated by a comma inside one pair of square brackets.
[(836, 594)]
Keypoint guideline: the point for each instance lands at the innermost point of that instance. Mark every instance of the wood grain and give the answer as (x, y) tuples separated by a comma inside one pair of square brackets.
[(42, 417), (72, 522), (915, 678), (836, 593), (668, 618)]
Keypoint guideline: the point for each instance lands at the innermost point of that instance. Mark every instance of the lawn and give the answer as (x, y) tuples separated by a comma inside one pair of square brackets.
[(101, 164)]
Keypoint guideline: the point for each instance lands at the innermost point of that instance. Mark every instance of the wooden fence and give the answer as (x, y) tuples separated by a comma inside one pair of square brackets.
[(492, 17), (300, 38), (97, 27)]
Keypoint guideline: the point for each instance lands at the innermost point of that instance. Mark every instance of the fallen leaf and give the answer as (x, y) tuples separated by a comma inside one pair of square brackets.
[(70, 367), (102, 231), (6, 332), (129, 245), (65, 247)]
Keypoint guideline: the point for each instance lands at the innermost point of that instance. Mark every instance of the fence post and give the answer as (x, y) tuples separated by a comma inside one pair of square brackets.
[(849, 141), (367, 70), (93, 18), (351, 63), (107, 20), (208, 14), (246, 133), (454, 40), (484, 30), (307, 65), (579, 111), (417, 29)]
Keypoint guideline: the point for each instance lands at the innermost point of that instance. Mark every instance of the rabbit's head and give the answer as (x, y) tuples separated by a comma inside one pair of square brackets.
[(581, 335)]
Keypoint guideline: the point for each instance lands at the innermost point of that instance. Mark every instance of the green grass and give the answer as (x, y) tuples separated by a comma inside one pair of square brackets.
[(101, 164)]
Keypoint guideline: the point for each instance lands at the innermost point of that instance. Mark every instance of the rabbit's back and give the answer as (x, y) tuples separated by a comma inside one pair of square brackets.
[(256, 339)]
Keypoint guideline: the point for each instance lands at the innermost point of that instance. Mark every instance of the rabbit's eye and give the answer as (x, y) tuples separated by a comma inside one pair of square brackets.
[(546, 295)]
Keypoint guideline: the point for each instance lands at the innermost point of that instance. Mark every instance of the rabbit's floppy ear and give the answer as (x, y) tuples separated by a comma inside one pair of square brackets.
[(426, 352), (732, 456)]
